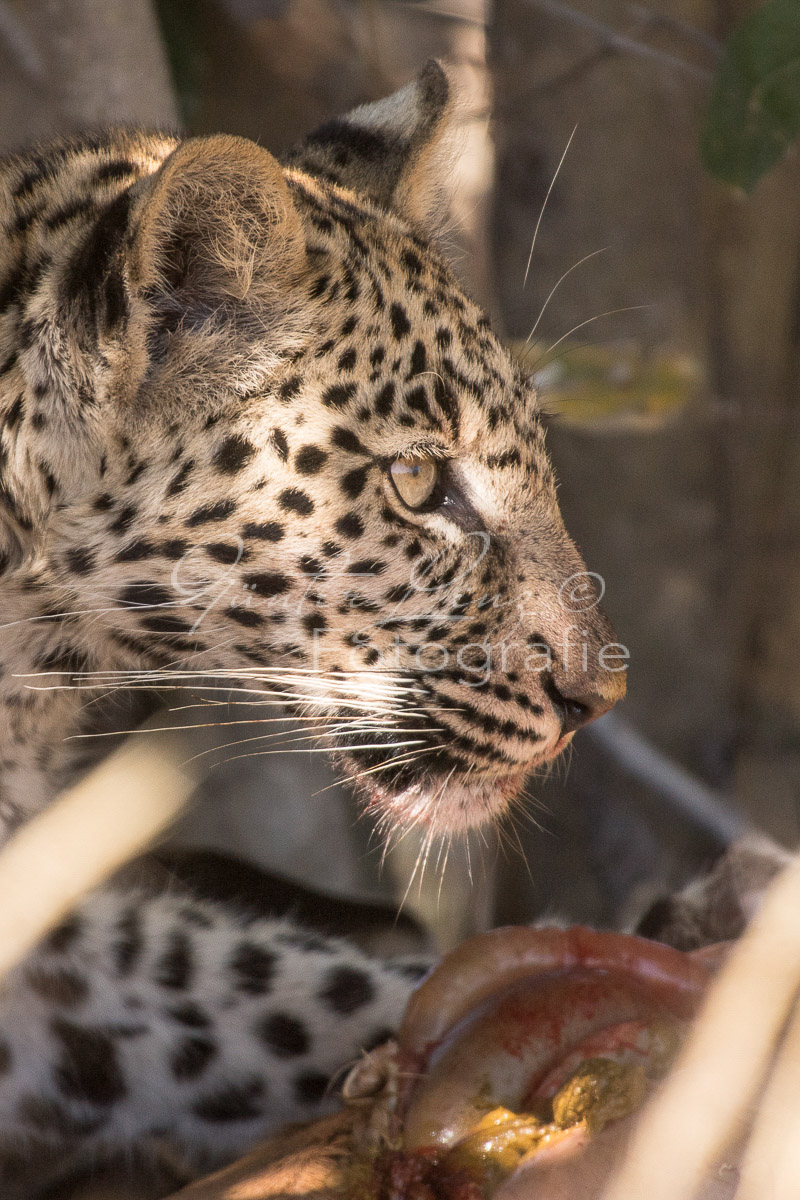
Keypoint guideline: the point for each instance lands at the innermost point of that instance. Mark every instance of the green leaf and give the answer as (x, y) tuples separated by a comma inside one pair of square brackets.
[(754, 114)]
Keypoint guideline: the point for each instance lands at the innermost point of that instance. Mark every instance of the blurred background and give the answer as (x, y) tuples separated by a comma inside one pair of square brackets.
[(667, 361)]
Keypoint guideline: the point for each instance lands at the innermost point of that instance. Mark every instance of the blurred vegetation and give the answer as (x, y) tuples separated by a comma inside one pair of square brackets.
[(754, 115), (187, 53)]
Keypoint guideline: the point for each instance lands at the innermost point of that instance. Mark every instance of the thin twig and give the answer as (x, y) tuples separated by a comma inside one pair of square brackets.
[(705, 808), (620, 41), (689, 33)]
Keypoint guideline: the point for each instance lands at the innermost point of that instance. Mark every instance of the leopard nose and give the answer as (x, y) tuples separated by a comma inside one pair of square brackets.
[(578, 708)]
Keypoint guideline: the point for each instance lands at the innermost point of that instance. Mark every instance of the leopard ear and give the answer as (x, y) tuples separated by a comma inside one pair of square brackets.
[(389, 150), (216, 227)]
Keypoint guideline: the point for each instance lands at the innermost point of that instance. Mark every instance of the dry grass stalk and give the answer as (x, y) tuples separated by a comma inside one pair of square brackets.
[(710, 1092), (89, 832), (771, 1169)]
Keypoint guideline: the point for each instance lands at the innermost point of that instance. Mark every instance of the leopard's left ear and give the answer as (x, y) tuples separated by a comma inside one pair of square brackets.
[(389, 150)]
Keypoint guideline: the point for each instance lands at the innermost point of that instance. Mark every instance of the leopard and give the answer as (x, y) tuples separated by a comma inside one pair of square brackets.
[(252, 430)]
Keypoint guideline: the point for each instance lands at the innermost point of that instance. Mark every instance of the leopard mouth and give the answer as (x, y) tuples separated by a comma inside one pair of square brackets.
[(455, 801)]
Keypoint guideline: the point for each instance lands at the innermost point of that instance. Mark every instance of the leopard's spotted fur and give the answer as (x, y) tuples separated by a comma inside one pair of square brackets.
[(208, 363)]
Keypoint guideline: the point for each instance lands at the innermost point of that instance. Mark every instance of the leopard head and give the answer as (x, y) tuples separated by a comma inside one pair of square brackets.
[(264, 434)]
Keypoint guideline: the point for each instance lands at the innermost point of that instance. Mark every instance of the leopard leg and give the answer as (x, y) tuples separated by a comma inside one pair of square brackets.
[(150, 1021)]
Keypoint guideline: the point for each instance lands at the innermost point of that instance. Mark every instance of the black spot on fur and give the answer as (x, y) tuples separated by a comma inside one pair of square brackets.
[(339, 136), (231, 1102), (345, 439), (189, 1014), (267, 583), (508, 458), (367, 567), (270, 531), (14, 415), (244, 616), (354, 482), (310, 1087), (290, 387), (89, 267), (418, 360), (165, 623), (278, 440), (88, 1069), (350, 525), (417, 399), (310, 459), (296, 501), (211, 512), (347, 360), (135, 473), (253, 969), (173, 548), (385, 400), (284, 1036), (80, 561), (61, 986), (65, 935), (135, 551), (191, 1057), (233, 454), (338, 395), (175, 967), (319, 286), (126, 948), (314, 622), (399, 593), (117, 168), (123, 519), (346, 989), (225, 552), (180, 480), (144, 592), (400, 321)]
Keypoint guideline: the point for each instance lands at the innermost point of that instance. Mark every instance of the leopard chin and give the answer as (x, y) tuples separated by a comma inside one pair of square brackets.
[(458, 802)]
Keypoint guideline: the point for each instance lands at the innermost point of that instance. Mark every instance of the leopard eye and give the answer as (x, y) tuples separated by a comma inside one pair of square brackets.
[(414, 479)]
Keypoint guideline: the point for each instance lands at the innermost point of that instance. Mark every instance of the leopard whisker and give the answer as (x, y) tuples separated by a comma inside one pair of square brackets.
[(611, 312), (544, 205), (305, 750), (557, 285), (274, 697), (326, 732)]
